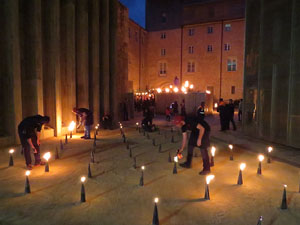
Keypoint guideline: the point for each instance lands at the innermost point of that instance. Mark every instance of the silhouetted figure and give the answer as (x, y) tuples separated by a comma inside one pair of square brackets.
[(86, 119), (231, 114), (222, 112)]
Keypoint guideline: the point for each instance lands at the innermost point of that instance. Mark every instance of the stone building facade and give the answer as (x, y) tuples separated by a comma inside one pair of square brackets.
[(60, 54), (201, 41), (272, 71)]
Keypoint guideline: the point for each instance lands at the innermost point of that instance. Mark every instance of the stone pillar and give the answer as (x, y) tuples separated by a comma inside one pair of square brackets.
[(114, 94), (104, 57), (51, 63), (10, 74), (94, 86), (82, 54), (31, 57), (67, 56)]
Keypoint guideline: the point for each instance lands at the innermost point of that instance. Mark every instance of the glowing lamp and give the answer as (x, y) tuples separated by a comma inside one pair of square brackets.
[(143, 167), (47, 156), (191, 86), (71, 126), (176, 89), (270, 149), (158, 90), (171, 86), (208, 92), (175, 159), (167, 90), (183, 89), (230, 146), (27, 173), (216, 105), (11, 151), (186, 84)]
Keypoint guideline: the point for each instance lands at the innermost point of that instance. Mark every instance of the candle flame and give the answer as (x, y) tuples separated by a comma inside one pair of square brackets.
[(175, 159), (242, 166), (137, 124), (27, 173), (209, 178), (175, 89), (156, 200), (230, 146), (213, 150), (261, 158), (216, 105), (270, 149), (47, 156), (82, 179), (143, 167), (11, 151), (208, 92), (167, 90), (285, 185), (186, 84)]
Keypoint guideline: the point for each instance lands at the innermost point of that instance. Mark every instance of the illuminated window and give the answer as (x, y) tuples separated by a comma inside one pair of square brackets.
[(191, 49), (231, 65), (228, 27)]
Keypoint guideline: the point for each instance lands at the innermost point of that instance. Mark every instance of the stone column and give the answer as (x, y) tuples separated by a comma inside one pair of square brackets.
[(82, 54), (51, 63), (10, 74), (94, 86), (104, 57), (114, 96), (68, 74), (31, 57)]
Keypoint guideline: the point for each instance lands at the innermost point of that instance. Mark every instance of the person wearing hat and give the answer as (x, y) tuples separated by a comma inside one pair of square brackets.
[(199, 137), (29, 133), (86, 118)]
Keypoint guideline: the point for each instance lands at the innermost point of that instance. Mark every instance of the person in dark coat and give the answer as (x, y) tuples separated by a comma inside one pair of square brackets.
[(231, 114), (223, 116), (86, 119), (200, 132), (201, 110), (29, 132)]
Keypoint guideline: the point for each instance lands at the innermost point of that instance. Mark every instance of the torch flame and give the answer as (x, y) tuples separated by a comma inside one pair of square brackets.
[(158, 90), (261, 158), (47, 156), (27, 173), (167, 90), (71, 126), (209, 178), (208, 92), (242, 166), (143, 167), (186, 84), (175, 159), (82, 179), (213, 150), (216, 105), (270, 149), (175, 89), (191, 86), (171, 86), (11, 151), (230, 146), (156, 200), (183, 89)]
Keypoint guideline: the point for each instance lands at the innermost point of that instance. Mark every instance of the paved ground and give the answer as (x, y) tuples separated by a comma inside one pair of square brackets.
[(115, 197)]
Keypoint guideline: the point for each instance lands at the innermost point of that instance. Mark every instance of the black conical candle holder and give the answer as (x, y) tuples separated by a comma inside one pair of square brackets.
[(11, 160), (240, 178), (142, 179), (89, 171), (82, 193), (206, 195), (212, 161), (92, 157), (66, 139), (47, 167), (153, 141), (175, 168), (260, 221), (27, 186), (130, 152), (155, 220), (159, 148), (169, 159), (259, 168), (284, 202), (134, 162)]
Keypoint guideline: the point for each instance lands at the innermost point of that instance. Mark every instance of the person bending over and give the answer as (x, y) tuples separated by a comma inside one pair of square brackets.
[(86, 119), (29, 132)]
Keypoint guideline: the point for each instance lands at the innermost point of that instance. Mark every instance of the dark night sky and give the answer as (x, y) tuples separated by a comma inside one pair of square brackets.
[(136, 10)]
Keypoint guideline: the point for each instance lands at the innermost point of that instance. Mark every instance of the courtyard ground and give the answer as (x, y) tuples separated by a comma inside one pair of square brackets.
[(114, 196)]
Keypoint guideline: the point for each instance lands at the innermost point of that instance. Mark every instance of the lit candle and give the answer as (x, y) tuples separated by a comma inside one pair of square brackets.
[(270, 149), (212, 160), (47, 157), (175, 165), (71, 128), (142, 176), (11, 160), (231, 151), (175, 89), (155, 220), (27, 184), (260, 158), (240, 178), (82, 179), (208, 179), (191, 86)]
